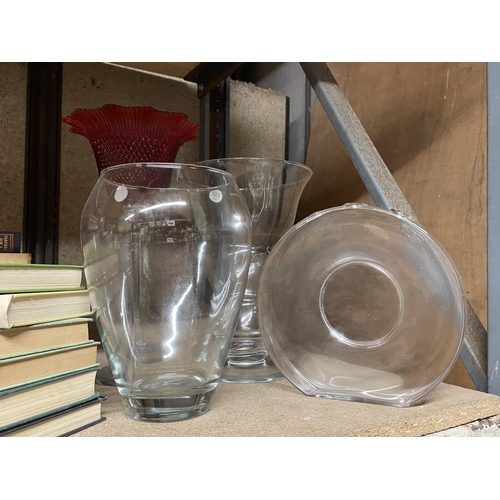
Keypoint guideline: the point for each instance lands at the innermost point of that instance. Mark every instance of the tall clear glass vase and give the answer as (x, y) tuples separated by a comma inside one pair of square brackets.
[(272, 189), (167, 249)]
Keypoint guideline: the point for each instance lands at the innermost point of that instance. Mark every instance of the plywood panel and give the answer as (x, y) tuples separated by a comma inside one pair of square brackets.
[(428, 121), (279, 409)]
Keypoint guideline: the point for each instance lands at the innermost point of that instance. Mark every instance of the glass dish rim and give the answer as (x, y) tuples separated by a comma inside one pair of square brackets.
[(289, 369)]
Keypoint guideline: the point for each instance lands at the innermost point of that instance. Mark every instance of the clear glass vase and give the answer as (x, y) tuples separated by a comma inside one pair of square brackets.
[(272, 190), (167, 249)]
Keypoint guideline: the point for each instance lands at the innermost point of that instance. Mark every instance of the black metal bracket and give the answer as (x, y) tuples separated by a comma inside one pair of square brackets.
[(214, 88), (209, 75), (42, 163), (214, 121)]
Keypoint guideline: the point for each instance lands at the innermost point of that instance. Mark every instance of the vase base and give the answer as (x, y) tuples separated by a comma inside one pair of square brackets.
[(170, 409), (248, 373)]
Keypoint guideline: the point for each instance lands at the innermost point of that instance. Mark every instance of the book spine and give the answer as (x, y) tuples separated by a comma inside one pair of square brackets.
[(10, 242)]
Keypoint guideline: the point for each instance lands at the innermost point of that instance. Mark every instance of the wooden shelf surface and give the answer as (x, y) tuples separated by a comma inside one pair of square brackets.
[(278, 409)]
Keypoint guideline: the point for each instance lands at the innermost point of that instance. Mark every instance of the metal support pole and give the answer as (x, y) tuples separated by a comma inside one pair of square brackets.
[(386, 193), (493, 86)]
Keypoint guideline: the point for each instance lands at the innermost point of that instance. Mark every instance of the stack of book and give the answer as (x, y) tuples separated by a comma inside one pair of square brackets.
[(48, 364)]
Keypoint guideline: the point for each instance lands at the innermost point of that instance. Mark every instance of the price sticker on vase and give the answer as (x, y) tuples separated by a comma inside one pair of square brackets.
[(215, 196), (121, 193)]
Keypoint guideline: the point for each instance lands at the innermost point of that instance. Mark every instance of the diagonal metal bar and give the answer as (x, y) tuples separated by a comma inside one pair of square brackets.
[(386, 193), (493, 225)]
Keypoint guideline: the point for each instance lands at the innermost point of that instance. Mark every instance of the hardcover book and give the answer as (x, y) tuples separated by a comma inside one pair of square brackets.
[(10, 241), (22, 309), (15, 258), (36, 399), (41, 337), (16, 278), (43, 365), (62, 423)]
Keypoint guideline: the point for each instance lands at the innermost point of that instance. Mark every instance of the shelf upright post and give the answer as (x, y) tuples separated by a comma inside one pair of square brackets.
[(213, 80), (493, 225), (42, 164)]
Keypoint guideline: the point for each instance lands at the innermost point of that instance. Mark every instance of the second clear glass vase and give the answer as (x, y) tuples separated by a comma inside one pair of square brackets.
[(272, 189)]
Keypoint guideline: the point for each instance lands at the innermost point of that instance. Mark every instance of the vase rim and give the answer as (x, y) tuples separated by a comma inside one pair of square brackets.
[(172, 166), (256, 159)]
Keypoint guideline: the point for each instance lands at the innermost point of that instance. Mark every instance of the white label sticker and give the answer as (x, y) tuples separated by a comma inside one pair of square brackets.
[(215, 196), (121, 193)]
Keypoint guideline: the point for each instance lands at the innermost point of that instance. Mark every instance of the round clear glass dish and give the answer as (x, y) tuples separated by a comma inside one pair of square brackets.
[(362, 304)]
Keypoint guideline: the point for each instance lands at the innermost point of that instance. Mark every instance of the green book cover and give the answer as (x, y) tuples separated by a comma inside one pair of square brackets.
[(47, 380), (41, 266), (39, 354), (56, 362), (48, 324), (37, 398), (37, 290), (20, 424), (19, 278), (22, 340)]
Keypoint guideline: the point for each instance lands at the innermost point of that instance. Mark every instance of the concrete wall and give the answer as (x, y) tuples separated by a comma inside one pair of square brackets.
[(13, 81)]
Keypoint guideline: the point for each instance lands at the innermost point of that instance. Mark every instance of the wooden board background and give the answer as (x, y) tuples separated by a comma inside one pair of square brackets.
[(428, 121)]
